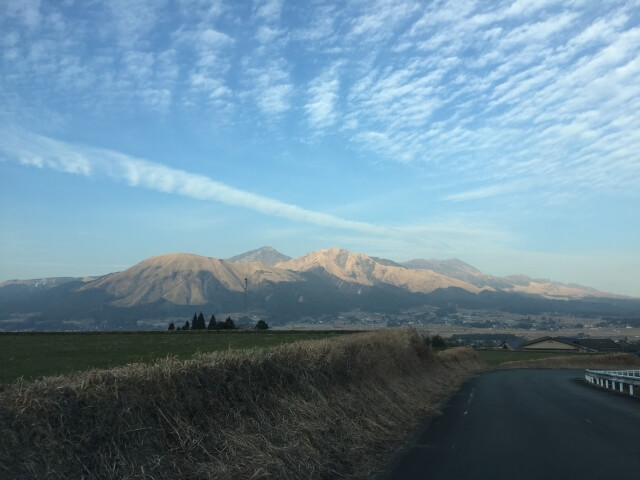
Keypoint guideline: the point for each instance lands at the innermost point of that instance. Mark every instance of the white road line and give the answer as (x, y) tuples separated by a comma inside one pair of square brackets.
[(471, 396)]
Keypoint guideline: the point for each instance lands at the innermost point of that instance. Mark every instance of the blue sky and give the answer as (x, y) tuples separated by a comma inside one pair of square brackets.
[(506, 134)]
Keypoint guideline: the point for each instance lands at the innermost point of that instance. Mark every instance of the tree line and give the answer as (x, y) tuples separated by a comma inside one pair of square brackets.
[(198, 323)]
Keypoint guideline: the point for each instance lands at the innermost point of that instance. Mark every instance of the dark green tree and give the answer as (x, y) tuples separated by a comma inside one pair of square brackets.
[(186, 325), (262, 325), (228, 324), (172, 327), (194, 321), (212, 322), (200, 325), (438, 342)]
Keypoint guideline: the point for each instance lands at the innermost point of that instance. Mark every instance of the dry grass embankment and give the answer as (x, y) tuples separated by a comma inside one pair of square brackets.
[(612, 361), (317, 409)]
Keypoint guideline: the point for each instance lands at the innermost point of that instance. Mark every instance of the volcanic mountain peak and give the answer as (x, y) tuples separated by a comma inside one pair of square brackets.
[(184, 279), (364, 270), (265, 255), (352, 267)]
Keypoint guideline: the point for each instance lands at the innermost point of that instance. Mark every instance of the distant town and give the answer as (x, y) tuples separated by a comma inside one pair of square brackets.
[(484, 329)]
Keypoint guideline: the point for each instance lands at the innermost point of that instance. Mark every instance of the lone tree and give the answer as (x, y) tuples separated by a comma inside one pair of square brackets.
[(186, 325), (172, 327), (438, 342), (262, 325), (200, 325), (228, 324)]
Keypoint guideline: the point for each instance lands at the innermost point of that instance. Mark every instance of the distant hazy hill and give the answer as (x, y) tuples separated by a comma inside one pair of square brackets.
[(265, 255), (20, 288), (513, 283), (451, 267), (319, 283)]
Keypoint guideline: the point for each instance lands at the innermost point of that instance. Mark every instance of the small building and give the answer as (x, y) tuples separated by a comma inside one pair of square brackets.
[(512, 345), (562, 344), (599, 345), (551, 344)]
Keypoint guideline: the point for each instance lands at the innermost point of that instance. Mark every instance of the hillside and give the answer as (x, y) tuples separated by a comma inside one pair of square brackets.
[(184, 279), (360, 269)]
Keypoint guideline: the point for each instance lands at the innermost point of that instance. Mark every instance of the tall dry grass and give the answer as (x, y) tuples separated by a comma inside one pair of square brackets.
[(315, 409)]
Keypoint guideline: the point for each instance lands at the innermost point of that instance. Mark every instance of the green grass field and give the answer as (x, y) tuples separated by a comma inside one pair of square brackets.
[(33, 355), (496, 357)]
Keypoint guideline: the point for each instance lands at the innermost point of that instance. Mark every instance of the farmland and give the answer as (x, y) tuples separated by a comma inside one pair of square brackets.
[(33, 355), (494, 358)]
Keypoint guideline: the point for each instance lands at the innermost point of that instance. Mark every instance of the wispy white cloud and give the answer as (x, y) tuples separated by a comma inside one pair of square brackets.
[(381, 19), (133, 20), (268, 10), (267, 34), (212, 54), (271, 88), (43, 152), (157, 98), (203, 10), (536, 31), (37, 151), (210, 38), (483, 192), (323, 96), (26, 12), (505, 89), (521, 8), (320, 29), (504, 86), (273, 98)]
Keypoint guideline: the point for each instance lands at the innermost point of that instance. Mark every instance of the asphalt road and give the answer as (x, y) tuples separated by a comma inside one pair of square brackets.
[(527, 424)]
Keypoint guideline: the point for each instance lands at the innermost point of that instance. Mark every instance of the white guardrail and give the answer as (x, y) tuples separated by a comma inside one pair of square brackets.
[(614, 379)]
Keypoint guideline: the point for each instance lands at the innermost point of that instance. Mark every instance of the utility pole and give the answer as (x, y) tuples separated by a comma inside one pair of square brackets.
[(246, 287)]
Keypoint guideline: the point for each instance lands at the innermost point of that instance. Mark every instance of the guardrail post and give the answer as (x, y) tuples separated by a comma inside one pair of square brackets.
[(610, 379)]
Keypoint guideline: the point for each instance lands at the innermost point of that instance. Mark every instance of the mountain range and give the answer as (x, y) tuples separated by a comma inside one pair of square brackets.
[(268, 283)]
